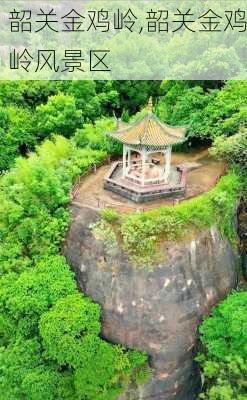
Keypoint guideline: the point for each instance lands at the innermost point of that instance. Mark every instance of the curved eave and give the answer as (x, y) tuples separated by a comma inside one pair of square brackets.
[(171, 142), (149, 131)]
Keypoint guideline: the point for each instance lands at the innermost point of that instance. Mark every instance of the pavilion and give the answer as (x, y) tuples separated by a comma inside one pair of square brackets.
[(145, 176)]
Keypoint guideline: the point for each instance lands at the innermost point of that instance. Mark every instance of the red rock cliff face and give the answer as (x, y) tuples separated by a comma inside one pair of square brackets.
[(154, 310)]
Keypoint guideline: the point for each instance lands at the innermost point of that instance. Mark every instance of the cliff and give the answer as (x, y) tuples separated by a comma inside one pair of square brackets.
[(157, 310)]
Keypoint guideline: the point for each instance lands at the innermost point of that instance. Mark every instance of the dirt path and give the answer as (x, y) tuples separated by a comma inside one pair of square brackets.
[(199, 180)]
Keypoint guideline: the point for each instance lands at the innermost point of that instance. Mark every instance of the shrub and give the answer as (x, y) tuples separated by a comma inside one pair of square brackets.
[(232, 149), (224, 361), (142, 231), (109, 215)]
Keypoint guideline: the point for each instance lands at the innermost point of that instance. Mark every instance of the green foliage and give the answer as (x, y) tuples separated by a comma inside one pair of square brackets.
[(232, 149), (26, 297), (70, 334), (109, 215), (102, 230), (91, 103), (224, 361), (64, 327), (32, 218), (207, 113), (230, 107), (58, 116), (84, 93), (34, 193), (33, 110), (17, 134), (142, 231), (26, 374), (36, 222), (225, 379), (113, 366), (134, 95), (125, 116), (224, 333), (94, 136), (142, 374), (37, 92), (49, 332), (27, 93), (11, 93), (171, 93)]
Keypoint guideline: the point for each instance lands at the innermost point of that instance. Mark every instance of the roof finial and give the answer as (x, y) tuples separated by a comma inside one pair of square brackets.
[(150, 105)]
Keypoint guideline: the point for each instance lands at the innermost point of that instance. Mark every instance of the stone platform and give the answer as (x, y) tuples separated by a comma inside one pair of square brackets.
[(129, 189)]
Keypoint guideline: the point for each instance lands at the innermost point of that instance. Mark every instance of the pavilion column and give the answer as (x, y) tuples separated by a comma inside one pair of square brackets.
[(124, 160), (168, 156), (129, 158), (143, 154)]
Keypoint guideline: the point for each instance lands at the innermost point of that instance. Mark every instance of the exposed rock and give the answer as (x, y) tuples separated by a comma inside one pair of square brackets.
[(242, 232), (154, 310)]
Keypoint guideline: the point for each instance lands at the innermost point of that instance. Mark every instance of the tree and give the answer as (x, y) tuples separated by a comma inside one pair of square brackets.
[(26, 297), (84, 94), (70, 335), (94, 136), (25, 373), (207, 113), (232, 149), (17, 134), (225, 379), (224, 336), (49, 331), (27, 93), (11, 93), (93, 102), (37, 92), (65, 326), (134, 95), (58, 116)]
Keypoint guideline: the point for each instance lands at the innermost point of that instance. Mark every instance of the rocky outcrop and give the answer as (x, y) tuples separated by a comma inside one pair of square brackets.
[(242, 232), (154, 310)]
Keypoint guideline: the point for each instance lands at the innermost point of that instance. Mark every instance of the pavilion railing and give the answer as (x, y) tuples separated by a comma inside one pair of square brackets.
[(138, 180)]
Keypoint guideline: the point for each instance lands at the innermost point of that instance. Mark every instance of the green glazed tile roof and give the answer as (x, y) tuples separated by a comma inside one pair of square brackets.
[(149, 131)]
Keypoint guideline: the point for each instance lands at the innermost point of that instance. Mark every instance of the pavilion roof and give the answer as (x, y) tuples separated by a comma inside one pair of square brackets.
[(149, 131)]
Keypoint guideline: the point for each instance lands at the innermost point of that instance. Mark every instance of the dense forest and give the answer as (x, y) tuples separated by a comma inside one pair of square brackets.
[(51, 133), (36, 110)]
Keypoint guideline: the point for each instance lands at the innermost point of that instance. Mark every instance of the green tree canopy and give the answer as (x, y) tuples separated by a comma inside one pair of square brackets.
[(58, 116), (224, 362), (17, 134), (207, 113), (50, 343), (232, 149)]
